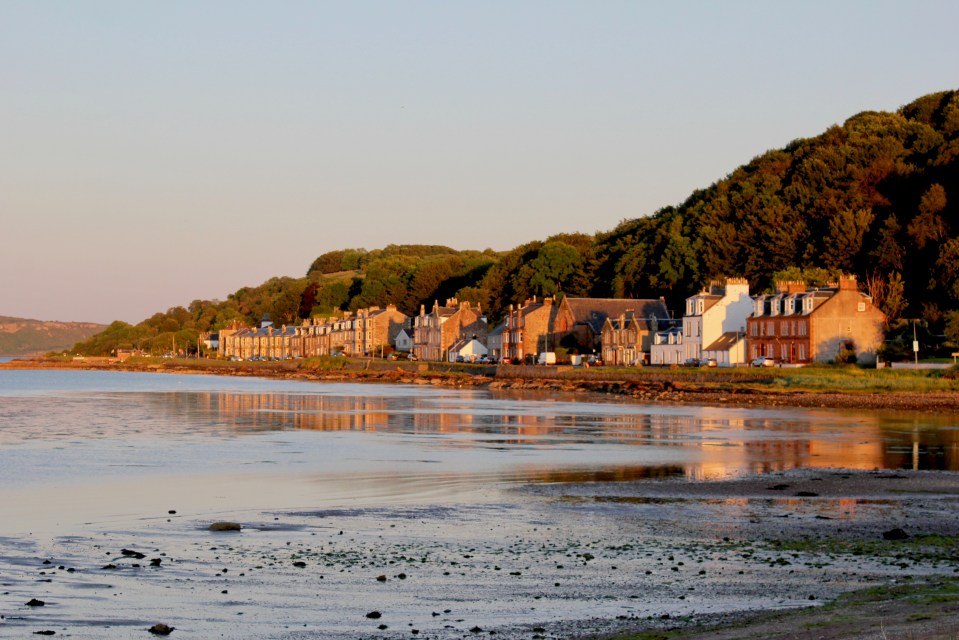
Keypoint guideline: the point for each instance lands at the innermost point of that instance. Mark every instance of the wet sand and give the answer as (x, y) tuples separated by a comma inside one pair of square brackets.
[(547, 560)]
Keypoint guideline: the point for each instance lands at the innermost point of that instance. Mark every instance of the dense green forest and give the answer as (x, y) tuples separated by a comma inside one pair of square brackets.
[(877, 197)]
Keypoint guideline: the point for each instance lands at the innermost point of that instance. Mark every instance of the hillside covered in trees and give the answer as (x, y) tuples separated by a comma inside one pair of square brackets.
[(877, 197)]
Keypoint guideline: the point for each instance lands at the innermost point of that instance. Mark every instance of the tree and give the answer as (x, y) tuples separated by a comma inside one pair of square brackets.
[(887, 293), (843, 243), (555, 265), (929, 226), (887, 253)]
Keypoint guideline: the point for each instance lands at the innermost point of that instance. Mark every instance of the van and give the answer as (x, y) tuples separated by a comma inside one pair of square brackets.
[(547, 357)]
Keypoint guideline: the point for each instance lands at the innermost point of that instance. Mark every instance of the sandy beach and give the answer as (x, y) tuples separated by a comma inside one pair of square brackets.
[(544, 561)]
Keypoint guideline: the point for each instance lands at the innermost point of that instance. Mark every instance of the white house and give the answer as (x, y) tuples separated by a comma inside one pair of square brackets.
[(468, 349), (714, 325), (404, 341), (667, 347)]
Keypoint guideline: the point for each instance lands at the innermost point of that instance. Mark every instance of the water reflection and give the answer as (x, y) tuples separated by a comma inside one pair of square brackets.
[(735, 440), (538, 437)]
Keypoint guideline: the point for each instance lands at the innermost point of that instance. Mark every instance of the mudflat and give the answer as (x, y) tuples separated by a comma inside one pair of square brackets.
[(818, 553)]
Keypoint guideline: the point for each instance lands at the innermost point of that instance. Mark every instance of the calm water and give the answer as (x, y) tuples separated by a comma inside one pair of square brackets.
[(101, 446)]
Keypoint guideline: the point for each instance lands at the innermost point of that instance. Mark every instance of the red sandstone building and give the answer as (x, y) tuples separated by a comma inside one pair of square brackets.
[(803, 325)]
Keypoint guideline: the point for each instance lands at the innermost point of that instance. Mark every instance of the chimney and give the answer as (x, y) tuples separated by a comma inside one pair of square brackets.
[(848, 283)]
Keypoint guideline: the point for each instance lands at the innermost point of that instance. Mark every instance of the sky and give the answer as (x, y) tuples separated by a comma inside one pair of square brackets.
[(155, 153)]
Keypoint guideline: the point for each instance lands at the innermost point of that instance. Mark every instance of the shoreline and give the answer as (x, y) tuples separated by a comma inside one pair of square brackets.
[(653, 386), (671, 558)]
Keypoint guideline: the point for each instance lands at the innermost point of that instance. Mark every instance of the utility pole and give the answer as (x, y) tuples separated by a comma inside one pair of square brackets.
[(915, 344)]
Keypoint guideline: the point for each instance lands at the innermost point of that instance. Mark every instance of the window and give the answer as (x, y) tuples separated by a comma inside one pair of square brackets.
[(770, 328), (802, 327), (862, 306), (754, 329)]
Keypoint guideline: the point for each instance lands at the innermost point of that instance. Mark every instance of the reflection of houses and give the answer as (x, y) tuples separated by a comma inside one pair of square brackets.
[(798, 324), (526, 333), (579, 322), (713, 326), (435, 332)]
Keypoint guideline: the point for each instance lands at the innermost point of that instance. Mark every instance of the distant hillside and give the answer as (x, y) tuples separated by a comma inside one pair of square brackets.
[(22, 337)]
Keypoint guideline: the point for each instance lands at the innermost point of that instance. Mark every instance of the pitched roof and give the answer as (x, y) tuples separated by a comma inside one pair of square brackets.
[(726, 341), (709, 301), (594, 311)]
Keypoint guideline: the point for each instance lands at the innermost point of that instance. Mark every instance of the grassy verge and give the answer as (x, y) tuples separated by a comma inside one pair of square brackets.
[(925, 609), (817, 379), (832, 378)]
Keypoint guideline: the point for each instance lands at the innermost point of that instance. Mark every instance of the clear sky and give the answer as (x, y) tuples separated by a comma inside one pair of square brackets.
[(153, 153)]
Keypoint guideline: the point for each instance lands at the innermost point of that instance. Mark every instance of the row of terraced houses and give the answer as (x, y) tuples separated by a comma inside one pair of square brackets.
[(724, 323)]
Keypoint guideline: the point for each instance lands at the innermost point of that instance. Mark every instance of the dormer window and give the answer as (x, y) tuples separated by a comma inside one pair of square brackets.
[(758, 307)]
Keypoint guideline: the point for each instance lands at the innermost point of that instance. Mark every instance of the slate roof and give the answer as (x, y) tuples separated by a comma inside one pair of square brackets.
[(594, 311)]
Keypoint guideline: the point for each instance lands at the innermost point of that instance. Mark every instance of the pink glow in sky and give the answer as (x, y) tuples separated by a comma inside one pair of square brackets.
[(156, 153)]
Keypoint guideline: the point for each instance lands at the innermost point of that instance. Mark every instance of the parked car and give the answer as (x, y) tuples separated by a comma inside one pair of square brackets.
[(763, 361), (710, 362), (691, 362)]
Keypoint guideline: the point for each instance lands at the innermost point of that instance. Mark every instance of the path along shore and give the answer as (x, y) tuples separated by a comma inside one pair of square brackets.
[(738, 387)]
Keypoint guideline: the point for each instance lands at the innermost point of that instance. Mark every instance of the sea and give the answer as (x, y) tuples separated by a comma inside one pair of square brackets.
[(77, 446), (396, 511)]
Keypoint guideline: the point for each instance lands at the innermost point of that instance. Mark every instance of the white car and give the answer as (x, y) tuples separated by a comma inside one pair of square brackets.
[(763, 361)]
